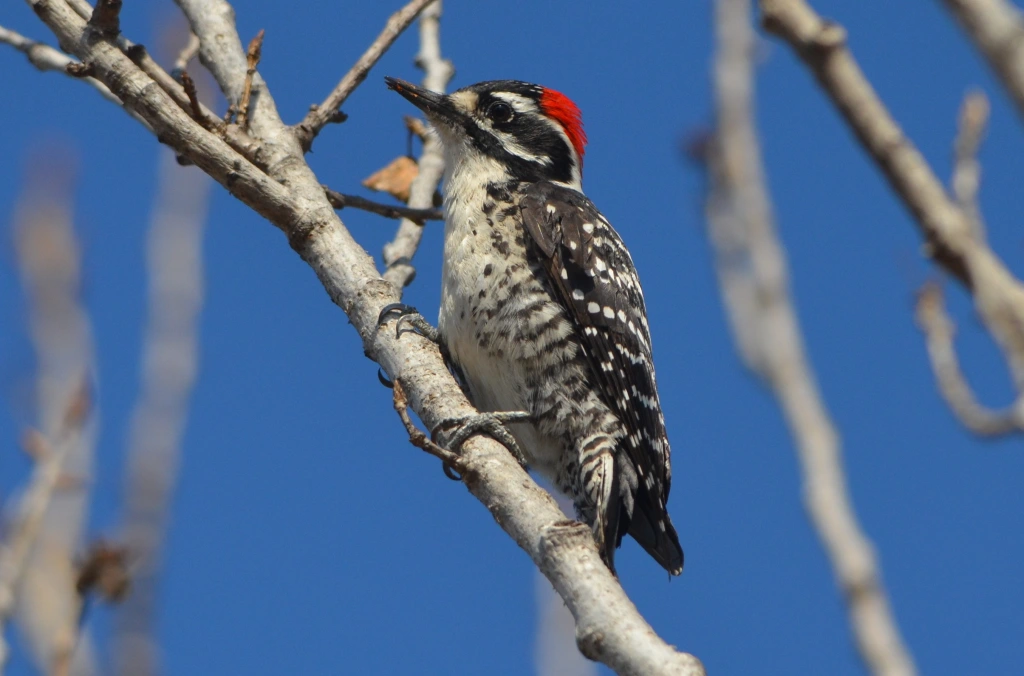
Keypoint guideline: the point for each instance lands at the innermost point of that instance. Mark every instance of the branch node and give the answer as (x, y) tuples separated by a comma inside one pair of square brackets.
[(75, 69), (136, 53), (319, 116), (104, 572), (831, 36), (106, 19)]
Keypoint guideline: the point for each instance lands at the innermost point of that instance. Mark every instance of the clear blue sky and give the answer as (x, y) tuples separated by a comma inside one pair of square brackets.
[(308, 537)]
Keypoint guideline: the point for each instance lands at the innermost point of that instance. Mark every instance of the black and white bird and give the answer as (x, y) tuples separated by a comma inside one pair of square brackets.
[(542, 311)]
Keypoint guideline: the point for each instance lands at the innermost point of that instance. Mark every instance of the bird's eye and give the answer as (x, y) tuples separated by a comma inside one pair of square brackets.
[(499, 111)]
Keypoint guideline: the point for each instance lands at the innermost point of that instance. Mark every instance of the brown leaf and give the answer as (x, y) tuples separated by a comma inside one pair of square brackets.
[(395, 179)]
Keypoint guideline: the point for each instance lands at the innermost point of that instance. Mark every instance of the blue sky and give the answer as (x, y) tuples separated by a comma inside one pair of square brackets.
[(309, 537)]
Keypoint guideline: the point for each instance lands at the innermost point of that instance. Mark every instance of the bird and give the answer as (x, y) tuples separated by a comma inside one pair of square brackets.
[(542, 316)]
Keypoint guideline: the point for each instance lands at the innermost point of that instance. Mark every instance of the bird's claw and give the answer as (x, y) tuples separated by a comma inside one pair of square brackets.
[(408, 315), (491, 424)]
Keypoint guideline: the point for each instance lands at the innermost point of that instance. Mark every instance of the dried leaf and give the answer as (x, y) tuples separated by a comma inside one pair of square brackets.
[(395, 179)]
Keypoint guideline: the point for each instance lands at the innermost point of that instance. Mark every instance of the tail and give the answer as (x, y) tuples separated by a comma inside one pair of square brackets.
[(633, 510), (651, 526)]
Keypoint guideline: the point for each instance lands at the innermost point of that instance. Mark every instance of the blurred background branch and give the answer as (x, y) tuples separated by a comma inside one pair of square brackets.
[(38, 561), (753, 278), (954, 237), (170, 363), (997, 29)]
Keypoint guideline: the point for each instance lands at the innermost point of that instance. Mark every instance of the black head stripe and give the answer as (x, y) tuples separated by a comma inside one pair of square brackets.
[(532, 132)]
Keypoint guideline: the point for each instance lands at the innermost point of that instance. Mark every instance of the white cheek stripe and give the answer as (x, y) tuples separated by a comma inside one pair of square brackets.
[(510, 144)]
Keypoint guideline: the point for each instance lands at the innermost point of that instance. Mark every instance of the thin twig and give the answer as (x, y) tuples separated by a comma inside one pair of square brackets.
[(187, 53), (416, 126), (437, 72), (939, 330), (193, 97), (319, 116), (29, 516), (966, 180), (753, 277), (417, 437), (950, 237), (997, 29), (252, 59), (46, 58), (417, 216)]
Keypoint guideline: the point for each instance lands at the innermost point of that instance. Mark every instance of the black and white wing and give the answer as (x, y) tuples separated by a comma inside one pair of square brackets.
[(594, 276)]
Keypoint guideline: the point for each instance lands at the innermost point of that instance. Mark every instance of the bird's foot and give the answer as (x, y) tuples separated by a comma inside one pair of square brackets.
[(409, 319), (491, 424)]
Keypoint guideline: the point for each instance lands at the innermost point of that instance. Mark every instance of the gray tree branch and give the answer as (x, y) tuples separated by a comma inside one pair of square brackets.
[(753, 276), (37, 559), (437, 72), (170, 364), (951, 239), (997, 29)]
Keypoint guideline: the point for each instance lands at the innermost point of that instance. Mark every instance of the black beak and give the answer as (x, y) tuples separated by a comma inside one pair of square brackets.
[(436, 106)]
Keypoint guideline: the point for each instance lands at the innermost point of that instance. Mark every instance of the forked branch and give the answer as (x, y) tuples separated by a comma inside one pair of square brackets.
[(953, 238)]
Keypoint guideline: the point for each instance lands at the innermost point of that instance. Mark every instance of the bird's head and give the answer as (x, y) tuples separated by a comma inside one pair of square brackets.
[(529, 132)]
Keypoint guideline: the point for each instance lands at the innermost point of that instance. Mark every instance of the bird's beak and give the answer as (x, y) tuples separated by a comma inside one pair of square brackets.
[(436, 106)]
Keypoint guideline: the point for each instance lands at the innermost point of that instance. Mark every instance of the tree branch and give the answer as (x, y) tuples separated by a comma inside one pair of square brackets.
[(46, 58), (437, 72), (753, 277), (285, 191), (170, 364), (997, 29), (950, 238), (417, 216), (966, 181), (319, 116), (37, 564), (939, 331)]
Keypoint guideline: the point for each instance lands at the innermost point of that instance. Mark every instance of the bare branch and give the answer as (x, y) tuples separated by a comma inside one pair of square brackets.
[(320, 116), (46, 58), (286, 192), (417, 216), (554, 647), (437, 72), (170, 364), (950, 238), (966, 169), (193, 98), (417, 437), (753, 276), (939, 331), (187, 53), (252, 59), (997, 29), (28, 522), (37, 563)]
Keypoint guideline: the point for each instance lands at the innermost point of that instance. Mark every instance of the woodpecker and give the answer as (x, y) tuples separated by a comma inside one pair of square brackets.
[(542, 311)]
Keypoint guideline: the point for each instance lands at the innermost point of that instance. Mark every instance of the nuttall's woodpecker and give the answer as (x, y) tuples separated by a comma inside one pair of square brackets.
[(542, 312)]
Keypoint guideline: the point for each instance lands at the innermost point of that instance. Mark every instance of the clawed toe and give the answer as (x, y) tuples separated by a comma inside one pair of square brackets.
[(407, 315), (491, 424)]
